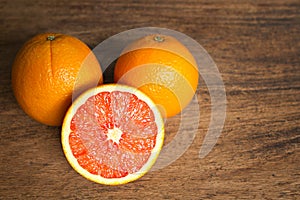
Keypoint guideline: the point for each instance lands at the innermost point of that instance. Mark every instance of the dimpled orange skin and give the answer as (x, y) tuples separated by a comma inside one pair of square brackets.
[(46, 72), (161, 67)]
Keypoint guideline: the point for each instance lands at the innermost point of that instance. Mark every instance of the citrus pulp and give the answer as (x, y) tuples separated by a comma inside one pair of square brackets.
[(112, 134)]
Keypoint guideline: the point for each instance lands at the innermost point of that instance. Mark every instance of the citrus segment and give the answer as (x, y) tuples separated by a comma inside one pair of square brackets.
[(112, 134)]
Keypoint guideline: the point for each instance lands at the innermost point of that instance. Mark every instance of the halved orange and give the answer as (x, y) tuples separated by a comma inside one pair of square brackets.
[(112, 134)]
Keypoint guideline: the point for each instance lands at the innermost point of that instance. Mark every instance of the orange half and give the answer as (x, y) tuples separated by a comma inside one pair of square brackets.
[(112, 134)]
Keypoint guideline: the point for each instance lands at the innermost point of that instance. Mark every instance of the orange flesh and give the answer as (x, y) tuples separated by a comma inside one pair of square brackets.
[(123, 115)]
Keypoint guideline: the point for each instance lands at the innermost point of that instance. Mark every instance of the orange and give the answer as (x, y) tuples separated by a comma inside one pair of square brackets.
[(161, 67), (112, 134), (48, 70)]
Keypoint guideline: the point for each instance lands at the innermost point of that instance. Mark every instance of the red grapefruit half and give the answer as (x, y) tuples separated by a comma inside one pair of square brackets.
[(112, 134)]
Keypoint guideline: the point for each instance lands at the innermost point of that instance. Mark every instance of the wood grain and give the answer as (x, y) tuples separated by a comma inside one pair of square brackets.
[(255, 45)]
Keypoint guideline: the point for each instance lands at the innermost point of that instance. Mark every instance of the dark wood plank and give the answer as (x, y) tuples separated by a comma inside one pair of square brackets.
[(256, 47)]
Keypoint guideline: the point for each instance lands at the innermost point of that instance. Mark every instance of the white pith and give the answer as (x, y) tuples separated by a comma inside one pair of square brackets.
[(114, 134)]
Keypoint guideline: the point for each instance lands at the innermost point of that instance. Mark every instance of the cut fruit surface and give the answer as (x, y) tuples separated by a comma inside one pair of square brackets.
[(112, 134)]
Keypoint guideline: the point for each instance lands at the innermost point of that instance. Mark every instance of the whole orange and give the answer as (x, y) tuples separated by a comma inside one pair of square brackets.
[(48, 71), (161, 67)]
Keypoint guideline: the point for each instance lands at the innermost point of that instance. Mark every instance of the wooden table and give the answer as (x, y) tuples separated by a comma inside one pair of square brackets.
[(256, 47)]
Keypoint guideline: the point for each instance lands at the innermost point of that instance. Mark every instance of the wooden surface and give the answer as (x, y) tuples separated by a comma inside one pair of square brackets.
[(255, 45)]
